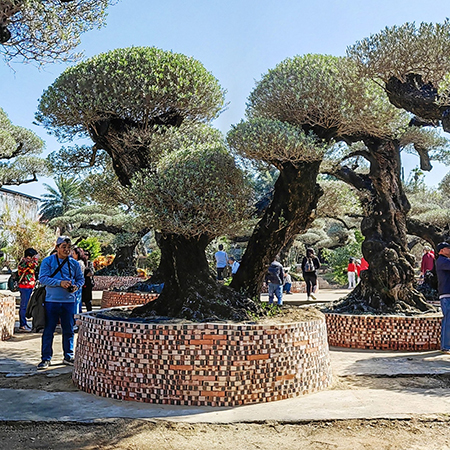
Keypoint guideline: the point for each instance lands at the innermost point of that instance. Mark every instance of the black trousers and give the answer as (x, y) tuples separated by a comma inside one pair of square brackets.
[(311, 281)]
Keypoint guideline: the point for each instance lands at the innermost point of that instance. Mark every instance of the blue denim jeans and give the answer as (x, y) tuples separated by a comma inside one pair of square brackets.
[(79, 307), (277, 290), (445, 325), (25, 294), (55, 311)]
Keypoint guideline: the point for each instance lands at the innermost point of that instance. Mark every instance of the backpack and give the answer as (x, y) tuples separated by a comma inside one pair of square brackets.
[(13, 281), (274, 274), (309, 265)]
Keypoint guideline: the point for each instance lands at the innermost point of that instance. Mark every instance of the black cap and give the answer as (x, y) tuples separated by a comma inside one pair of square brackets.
[(442, 245)]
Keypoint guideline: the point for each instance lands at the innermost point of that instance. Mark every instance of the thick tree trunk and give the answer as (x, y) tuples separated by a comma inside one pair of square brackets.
[(388, 285), (190, 290), (290, 213)]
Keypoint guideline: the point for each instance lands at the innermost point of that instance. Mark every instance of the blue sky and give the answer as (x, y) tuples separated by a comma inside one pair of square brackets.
[(237, 41)]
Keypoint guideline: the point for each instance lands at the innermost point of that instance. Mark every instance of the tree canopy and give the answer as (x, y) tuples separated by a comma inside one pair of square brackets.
[(43, 31), (411, 63), (126, 99), (19, 148)]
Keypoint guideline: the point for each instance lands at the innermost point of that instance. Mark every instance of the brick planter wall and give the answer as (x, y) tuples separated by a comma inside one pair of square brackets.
[(111, 299), (7, 317), (201, 364), (106, 283), (384, 332)]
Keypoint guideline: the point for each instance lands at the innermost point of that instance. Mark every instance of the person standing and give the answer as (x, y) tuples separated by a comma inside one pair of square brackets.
[(62, 277), (287, 282), (310, 264), (86, 293), (234, 265), (351, 273), (78, 254), (27, 279), (443, 276), (427, 263), (274, 279), (221, 262)]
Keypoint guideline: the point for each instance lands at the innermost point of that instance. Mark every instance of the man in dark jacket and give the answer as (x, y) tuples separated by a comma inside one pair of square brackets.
[(274, 279), (443, 275)]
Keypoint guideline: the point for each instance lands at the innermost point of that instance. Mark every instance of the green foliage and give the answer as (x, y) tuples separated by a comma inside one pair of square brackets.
[(274, 142), (93, 245), (47, 31), (338, 258), (58, 201), (18, 150), (402, 50), (153, 259), (21, 233), (138, 84), (322, 92), (193, 191)]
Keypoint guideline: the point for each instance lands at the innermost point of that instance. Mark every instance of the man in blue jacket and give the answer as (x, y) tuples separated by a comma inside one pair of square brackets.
[(443, 275), (61, 274)]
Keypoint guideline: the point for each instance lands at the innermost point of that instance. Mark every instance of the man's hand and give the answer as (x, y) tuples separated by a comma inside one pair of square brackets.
[(65, 284)]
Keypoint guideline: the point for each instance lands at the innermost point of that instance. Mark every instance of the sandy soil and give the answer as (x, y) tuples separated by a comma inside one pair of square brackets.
[(430, 433)]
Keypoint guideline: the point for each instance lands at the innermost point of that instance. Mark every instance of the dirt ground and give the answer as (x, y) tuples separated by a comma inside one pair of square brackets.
[(426, 433), (420, 433)]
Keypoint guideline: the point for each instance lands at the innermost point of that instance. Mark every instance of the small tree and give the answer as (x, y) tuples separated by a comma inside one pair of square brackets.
[(194, 194)]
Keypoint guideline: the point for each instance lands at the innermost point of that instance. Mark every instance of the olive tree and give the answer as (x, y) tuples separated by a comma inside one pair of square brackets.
[(19, 150), (43, 31), (321, 96), (140, 106), (193, 195), (411, 64)]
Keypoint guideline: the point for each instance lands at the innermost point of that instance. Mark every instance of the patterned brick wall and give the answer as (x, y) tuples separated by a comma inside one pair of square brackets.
[(106, 283), (7, 317), (201, 364), (384, 332), (112, 299)]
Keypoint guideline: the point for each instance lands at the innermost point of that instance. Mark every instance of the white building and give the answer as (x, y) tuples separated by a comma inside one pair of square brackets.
[(16, 201)]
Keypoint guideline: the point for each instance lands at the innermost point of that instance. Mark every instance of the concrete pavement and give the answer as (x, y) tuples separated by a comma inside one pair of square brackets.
[(373, 393)]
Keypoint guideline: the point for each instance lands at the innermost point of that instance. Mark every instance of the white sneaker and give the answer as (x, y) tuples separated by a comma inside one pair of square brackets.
[(313, 297), (308, 299)]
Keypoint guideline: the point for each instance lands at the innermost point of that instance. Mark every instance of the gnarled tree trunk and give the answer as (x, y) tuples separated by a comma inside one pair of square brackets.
[(291, 211), (388, 285), (190, 290)]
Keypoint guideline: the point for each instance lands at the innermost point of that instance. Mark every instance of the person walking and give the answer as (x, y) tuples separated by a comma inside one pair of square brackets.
[(274, 279), (27, 279), (62, 277), (221, 262), (443, 276), (310, 264), (351, 273)]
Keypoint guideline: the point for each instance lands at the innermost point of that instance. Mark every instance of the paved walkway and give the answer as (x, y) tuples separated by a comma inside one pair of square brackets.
[(366, 400)]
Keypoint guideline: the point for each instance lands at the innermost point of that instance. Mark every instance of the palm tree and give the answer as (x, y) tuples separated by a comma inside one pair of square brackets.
[(58, 201)]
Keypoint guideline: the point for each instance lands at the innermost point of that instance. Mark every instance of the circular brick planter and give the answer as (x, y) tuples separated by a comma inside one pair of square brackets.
[(384, 332), (7, 317), (111, 299), (200, 364)]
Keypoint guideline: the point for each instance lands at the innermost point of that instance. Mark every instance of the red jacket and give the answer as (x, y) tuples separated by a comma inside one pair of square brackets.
[(427, 262), (351, 267), (26, 272)]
